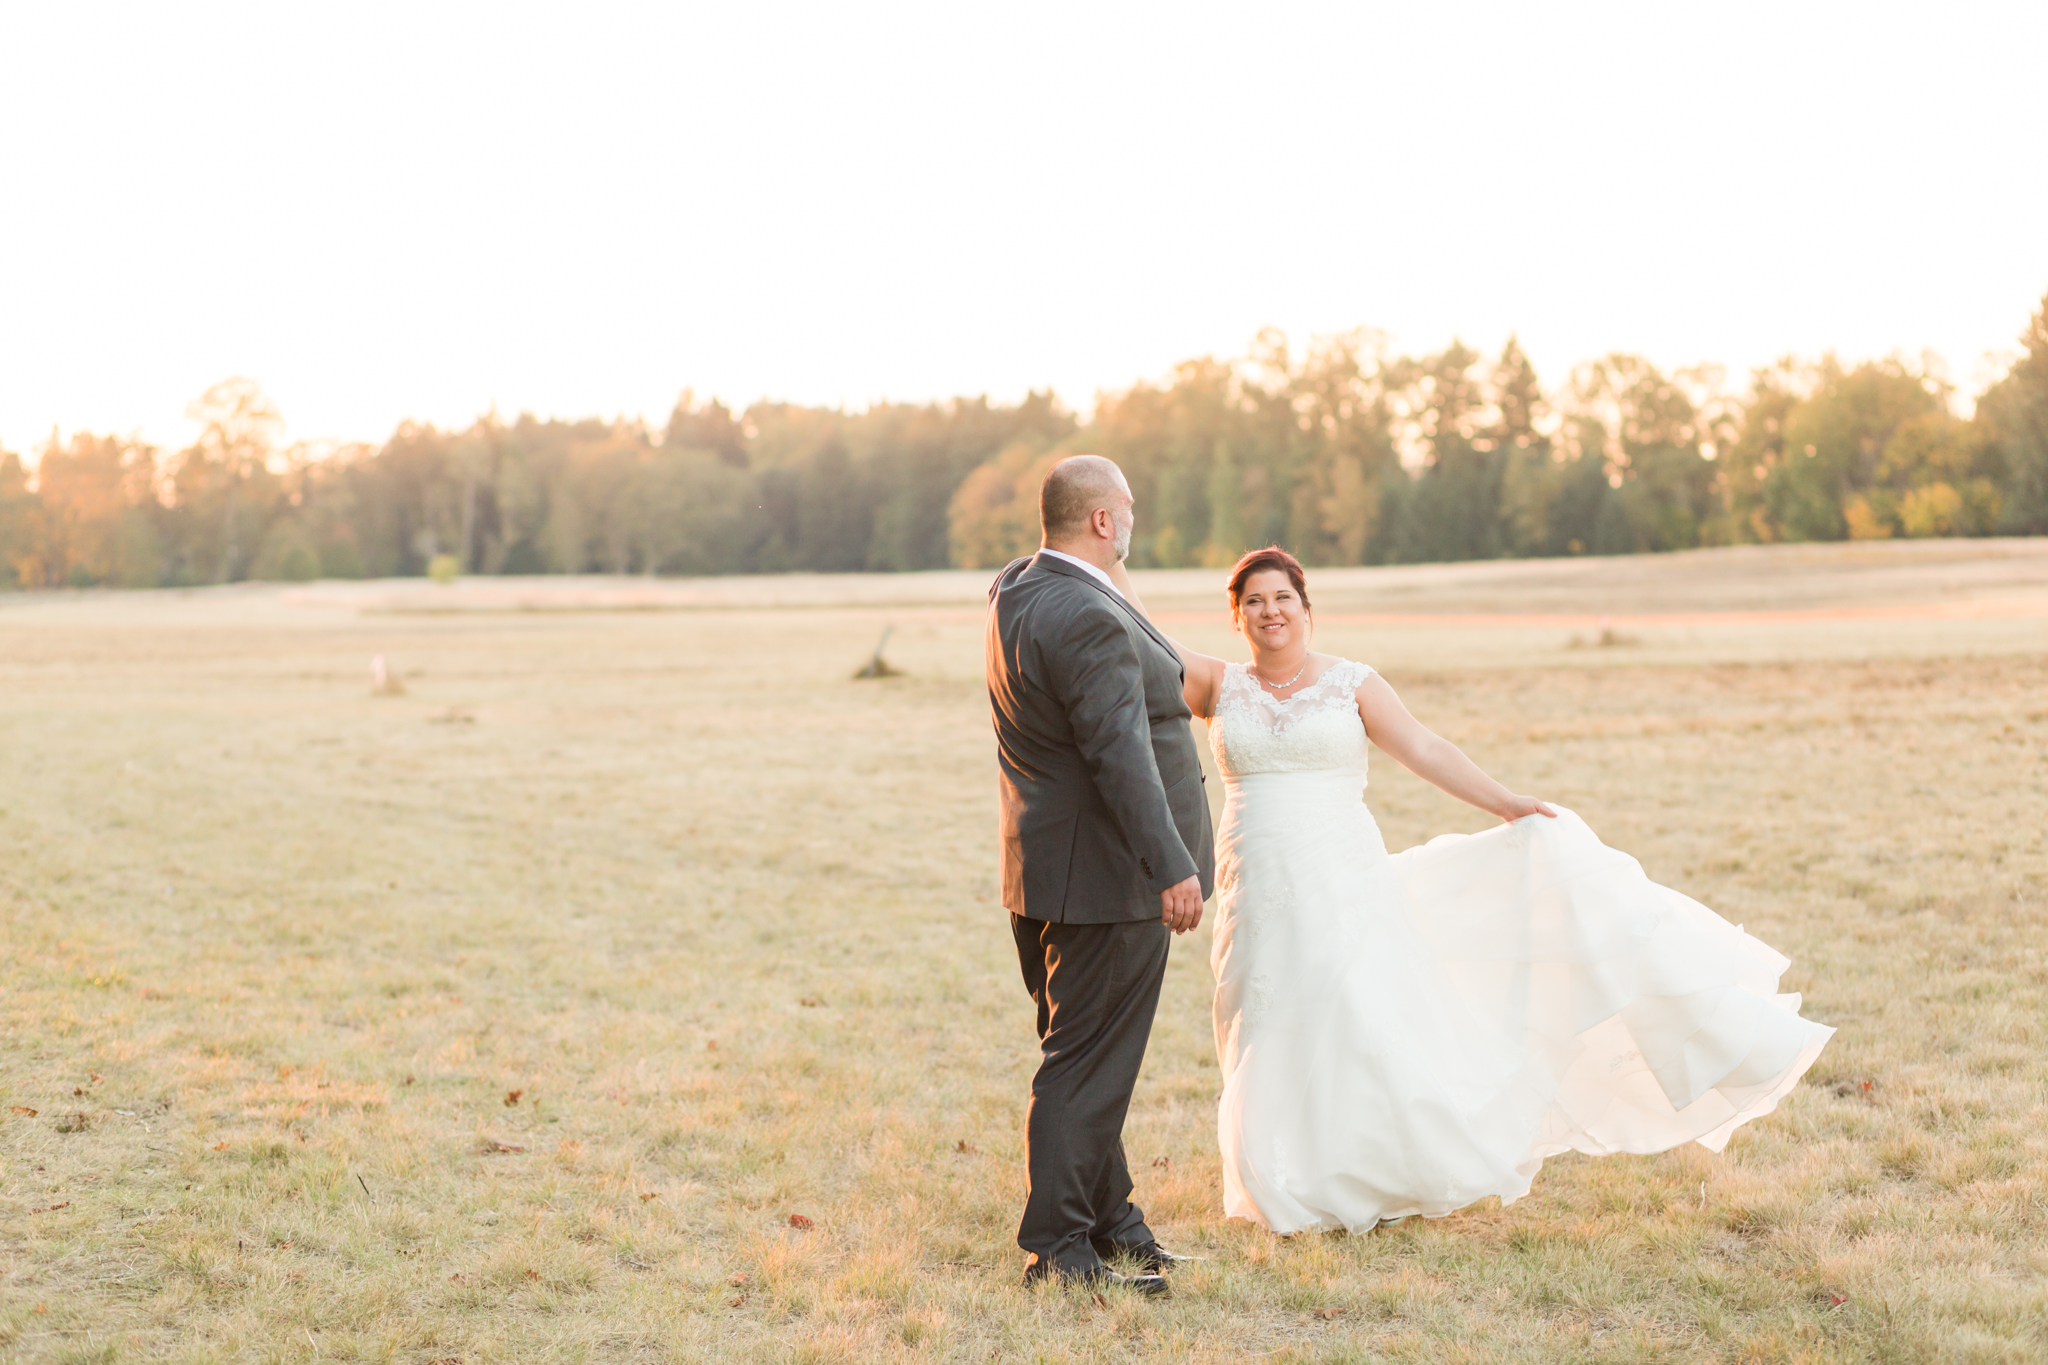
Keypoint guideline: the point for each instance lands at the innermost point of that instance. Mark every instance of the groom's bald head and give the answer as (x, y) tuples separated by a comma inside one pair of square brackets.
[(1074, 491)]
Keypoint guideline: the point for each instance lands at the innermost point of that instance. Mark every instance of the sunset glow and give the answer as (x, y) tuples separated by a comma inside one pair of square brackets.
[(393, 212)]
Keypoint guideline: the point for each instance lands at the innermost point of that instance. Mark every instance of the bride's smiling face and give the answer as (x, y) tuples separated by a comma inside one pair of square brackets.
[(1271, 614)]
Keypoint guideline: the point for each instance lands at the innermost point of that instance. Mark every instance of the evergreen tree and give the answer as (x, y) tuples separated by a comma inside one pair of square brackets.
[(2014, 414)]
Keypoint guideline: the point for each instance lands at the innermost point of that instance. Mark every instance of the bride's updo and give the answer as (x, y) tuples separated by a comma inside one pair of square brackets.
[(1259, 561)]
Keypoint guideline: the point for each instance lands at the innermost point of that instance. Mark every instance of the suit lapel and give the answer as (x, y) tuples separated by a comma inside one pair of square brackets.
[(1062, 567)]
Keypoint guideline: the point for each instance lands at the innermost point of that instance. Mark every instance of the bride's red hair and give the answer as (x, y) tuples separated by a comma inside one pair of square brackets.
[(1260, 561)]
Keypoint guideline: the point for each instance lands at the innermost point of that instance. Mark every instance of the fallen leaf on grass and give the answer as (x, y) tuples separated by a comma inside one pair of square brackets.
[(1327, 1313), (492, 1145), (220, 1146), (78, 1090), (24, 1109), (532, 1274), (74, 1123), (711, 1046), (1166, 1161), (457, 1278), (962, 1146), (738, 1280), (810, 1002), (649, 1195), (512, 1097), (96, 1077), (408, 1079), (800, 1222), (53, 1207), (736, 1302), (1837, 1300)]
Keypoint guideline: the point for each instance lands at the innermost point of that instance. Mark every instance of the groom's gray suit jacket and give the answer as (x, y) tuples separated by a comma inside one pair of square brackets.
[(1103, 805)]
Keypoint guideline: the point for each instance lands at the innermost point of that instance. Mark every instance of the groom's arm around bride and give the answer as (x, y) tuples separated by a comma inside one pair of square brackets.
[(1106, 850)]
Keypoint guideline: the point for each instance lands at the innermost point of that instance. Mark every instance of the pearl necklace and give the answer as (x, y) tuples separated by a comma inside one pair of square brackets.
[(1277, 687)]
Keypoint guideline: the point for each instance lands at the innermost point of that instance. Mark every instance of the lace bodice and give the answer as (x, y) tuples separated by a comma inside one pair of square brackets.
[(1317, 729)]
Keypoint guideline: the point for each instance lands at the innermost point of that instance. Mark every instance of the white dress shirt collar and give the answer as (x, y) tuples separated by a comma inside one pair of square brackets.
[(1100, 576)]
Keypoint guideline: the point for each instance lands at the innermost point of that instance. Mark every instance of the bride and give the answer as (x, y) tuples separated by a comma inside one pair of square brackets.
[(1409, 1033)]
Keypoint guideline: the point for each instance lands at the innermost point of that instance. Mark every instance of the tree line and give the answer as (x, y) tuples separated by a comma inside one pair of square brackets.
[(1345, 453)]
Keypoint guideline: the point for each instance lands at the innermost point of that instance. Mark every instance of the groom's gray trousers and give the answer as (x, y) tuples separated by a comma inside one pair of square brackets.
[(1096, 987)]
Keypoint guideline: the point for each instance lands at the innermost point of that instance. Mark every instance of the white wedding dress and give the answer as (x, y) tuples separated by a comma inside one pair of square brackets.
[(1407, 1034)]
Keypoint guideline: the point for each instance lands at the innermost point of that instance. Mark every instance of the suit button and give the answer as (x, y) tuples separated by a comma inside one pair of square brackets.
[(1145, 866)]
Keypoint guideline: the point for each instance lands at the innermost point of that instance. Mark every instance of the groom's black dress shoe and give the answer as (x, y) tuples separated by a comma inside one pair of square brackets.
[(1150, 1257), (1100, 1277)]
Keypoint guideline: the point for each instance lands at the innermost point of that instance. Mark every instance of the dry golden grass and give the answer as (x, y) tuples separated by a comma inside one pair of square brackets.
[(513, 1018)]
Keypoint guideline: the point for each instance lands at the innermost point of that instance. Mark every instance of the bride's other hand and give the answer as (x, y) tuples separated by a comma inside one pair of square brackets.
[(1204, 674), (1120, 574)]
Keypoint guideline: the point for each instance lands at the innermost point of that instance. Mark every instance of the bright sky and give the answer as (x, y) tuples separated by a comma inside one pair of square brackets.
[(422, 210)]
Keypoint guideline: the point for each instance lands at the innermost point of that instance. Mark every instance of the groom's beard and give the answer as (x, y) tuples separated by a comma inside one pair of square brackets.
[(1123, 542)]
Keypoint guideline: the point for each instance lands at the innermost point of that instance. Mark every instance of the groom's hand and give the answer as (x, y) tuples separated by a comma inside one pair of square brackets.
[(1180, 905)]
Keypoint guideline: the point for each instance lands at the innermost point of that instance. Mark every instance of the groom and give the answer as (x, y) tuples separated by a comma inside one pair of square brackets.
[(1106, 848)]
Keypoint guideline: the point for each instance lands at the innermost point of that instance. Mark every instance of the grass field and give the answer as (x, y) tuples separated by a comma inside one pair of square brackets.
[(515, 1018)]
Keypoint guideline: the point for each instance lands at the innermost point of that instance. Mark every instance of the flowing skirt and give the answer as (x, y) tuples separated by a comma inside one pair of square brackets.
[(1409, 1034)]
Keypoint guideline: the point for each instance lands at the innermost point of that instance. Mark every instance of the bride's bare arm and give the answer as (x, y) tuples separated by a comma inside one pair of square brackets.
[(1204, 674), (1433, 758)]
